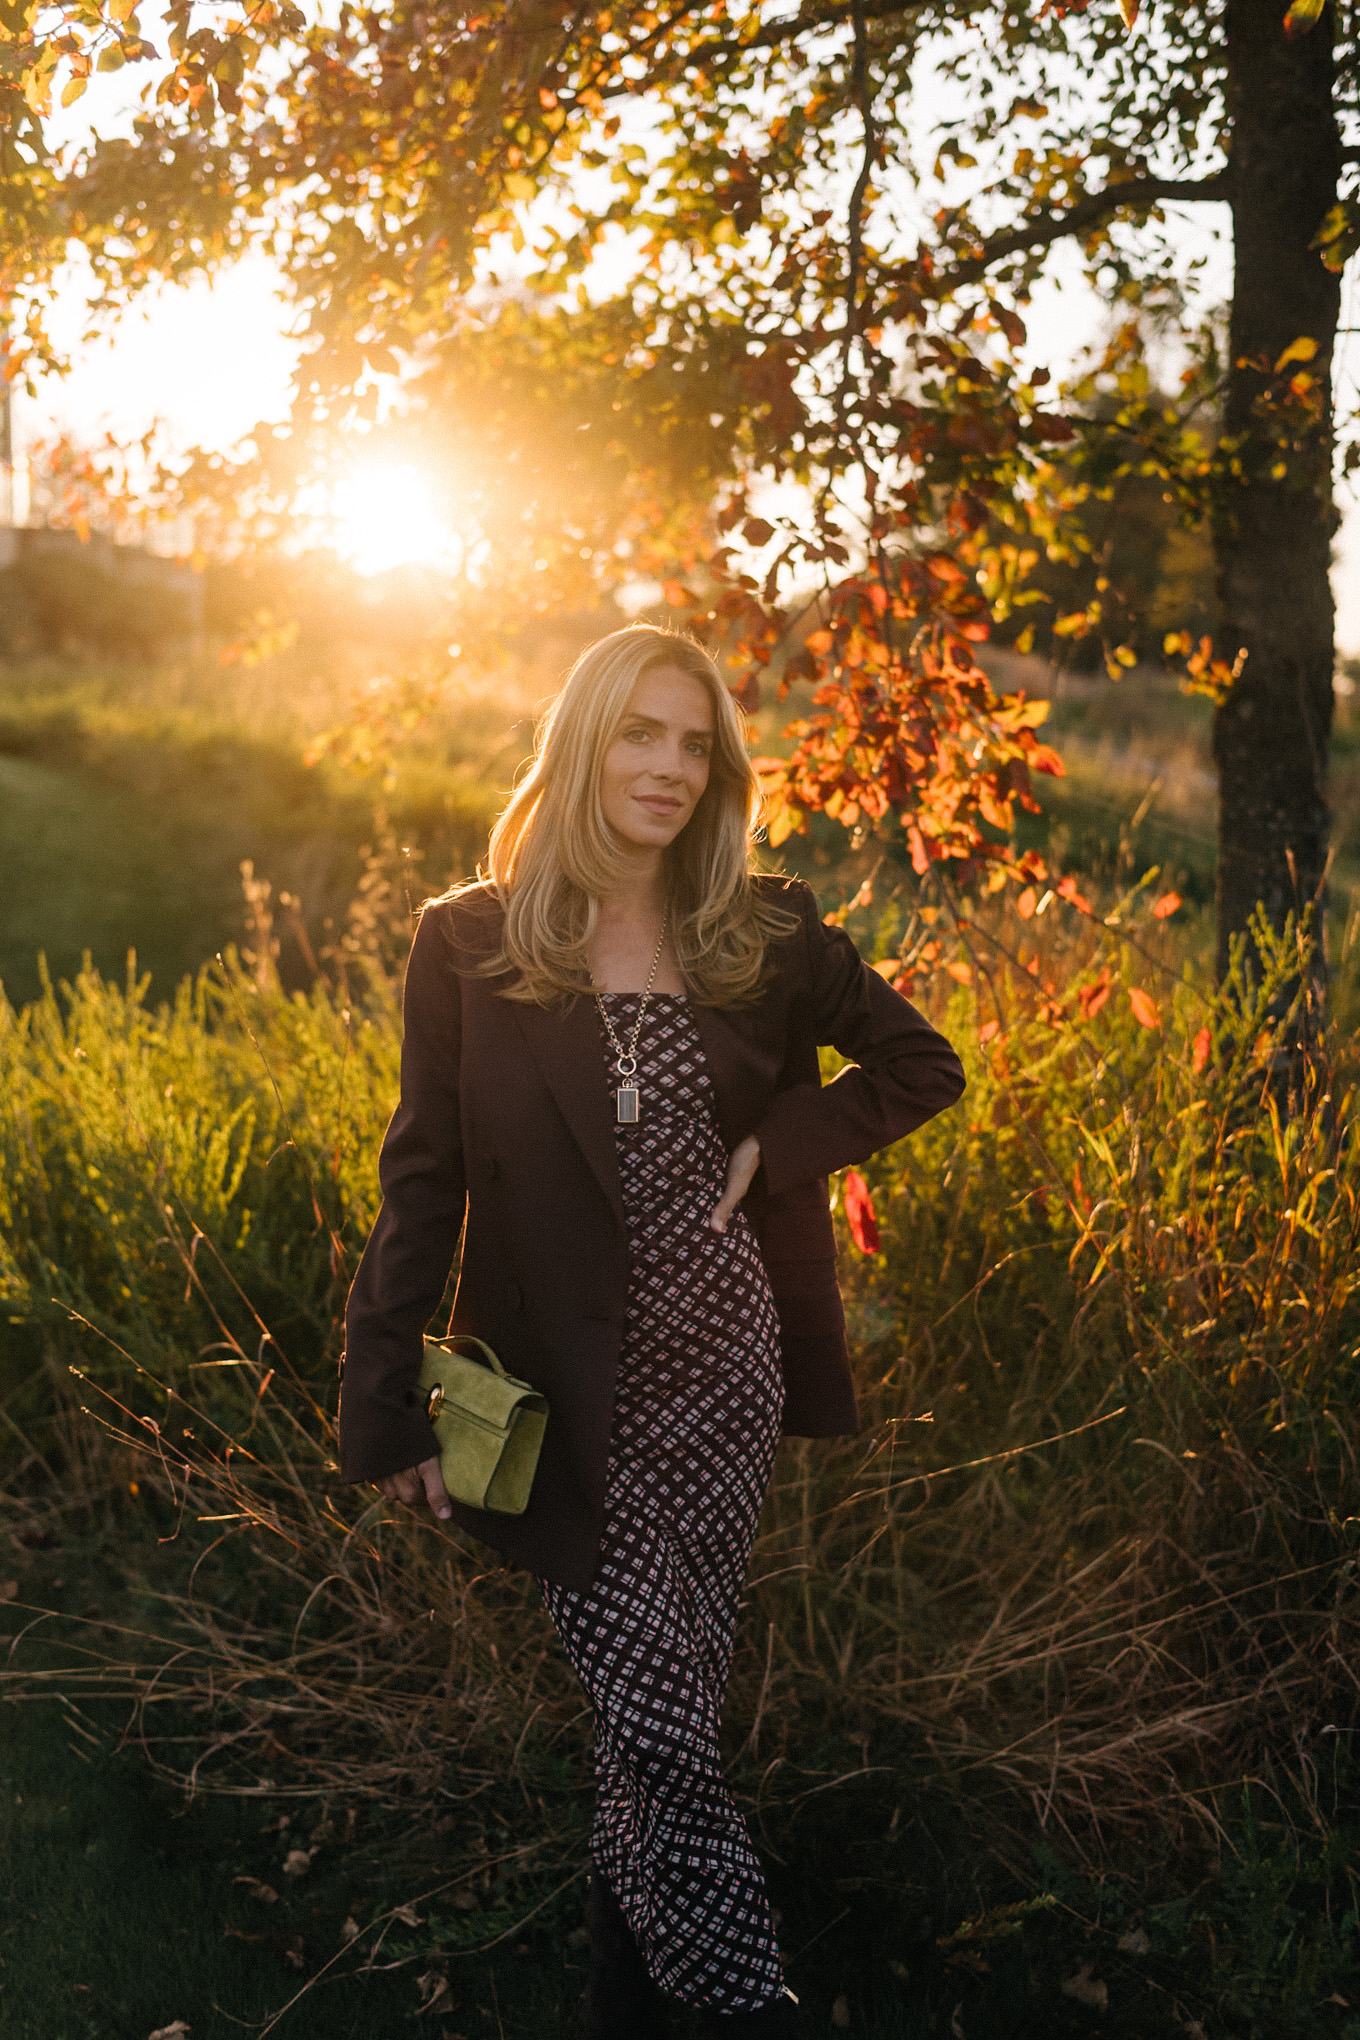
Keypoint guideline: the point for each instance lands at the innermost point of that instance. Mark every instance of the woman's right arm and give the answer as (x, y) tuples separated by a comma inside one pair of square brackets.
[(405, 1266)]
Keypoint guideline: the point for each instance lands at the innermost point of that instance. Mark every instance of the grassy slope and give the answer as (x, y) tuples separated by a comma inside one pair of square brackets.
[(127, 806)]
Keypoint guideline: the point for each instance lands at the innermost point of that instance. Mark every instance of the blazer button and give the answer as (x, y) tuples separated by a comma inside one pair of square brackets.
[(514, 1296)]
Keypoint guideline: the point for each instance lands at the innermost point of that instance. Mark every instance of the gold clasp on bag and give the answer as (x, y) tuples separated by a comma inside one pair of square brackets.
[(436, 1398)]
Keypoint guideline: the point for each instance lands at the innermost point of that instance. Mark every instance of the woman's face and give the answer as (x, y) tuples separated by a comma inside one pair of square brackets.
[(656, 767)]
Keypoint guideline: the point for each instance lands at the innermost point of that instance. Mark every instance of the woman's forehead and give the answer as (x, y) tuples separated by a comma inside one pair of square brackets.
[(668, 694)]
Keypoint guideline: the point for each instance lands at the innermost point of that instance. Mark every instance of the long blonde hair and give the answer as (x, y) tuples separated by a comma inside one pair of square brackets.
[(553, 855)]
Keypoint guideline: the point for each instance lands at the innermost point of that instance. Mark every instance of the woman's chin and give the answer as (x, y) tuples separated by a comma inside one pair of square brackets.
[(649, 835)]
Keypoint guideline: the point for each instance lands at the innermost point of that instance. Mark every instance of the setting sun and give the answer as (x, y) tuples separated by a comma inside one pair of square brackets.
[(385, 516)]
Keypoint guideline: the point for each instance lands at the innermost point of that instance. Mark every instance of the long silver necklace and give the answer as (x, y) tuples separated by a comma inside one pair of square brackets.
[(626, 1097)]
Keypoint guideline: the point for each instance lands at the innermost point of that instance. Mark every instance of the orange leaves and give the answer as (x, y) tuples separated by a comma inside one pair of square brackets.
[(1166, 906), (1200, 1052), (1146, 1011), (908, 726), (1204, 674), (1091, 998), (1067, 890), (860, 1214), (677, 595)]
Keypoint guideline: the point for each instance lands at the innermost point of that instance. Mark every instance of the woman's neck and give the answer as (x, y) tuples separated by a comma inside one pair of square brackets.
[(641, 894), (623, 952)]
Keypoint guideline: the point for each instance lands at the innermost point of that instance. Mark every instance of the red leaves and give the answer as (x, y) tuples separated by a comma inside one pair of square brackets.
[(1199, 1053), (1067, 890), (860, 1215), (1090, 998), (1146, 1011), (909, 726), (1166, 906), (1046, 425)]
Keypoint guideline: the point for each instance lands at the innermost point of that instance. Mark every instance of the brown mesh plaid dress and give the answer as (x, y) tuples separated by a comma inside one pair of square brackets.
[(696, 1421)]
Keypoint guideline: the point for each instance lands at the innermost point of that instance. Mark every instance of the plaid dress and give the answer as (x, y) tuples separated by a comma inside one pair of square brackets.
[(696, 1420)]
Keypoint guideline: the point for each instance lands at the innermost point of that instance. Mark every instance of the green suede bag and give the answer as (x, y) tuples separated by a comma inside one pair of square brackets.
[(489, 1426)]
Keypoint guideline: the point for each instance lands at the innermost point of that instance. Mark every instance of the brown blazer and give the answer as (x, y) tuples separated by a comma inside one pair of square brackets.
[(506, 1123)]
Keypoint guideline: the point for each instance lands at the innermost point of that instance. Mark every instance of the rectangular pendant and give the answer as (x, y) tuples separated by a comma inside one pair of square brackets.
[(626, 1099)]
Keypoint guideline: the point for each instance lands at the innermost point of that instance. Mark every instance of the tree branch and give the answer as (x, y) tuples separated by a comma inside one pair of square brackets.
[(1088, 212)]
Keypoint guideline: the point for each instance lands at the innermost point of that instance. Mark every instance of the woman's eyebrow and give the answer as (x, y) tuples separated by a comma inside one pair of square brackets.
[(656, 722)]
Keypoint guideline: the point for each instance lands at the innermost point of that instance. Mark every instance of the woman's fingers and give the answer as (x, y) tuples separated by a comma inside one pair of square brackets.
[(740, 1169), (436, 1494), (417, 1484)]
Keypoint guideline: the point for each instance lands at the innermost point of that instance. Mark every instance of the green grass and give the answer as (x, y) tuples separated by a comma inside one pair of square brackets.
[(929, 1897), (127, 806), (123, 1910)]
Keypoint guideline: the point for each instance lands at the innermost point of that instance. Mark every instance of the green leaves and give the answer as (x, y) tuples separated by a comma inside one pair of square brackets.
[(1338, 238)]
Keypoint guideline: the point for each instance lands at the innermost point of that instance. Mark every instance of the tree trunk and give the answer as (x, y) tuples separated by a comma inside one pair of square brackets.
[(1274, 527)]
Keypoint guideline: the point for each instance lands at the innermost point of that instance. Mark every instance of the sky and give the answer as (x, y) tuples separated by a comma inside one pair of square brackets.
[(209, 360)]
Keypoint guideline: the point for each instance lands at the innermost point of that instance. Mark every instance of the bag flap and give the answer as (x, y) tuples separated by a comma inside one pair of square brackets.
[(468, 1385)]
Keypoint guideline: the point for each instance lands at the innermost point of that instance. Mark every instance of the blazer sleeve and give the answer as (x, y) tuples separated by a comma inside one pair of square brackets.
[(406, 1263), (902, 1071)]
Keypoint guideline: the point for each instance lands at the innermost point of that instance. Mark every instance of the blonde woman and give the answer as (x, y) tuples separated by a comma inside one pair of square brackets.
[(610, 1088)]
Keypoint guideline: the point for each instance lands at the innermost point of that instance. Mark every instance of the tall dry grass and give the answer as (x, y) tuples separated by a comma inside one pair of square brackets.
[(1092, 1558)]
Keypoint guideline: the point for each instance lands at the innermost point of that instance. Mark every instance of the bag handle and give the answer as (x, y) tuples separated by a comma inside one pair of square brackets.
[(467, 1339)]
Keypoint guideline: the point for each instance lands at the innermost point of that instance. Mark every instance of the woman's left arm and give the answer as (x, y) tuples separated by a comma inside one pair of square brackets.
[(902, 1071)]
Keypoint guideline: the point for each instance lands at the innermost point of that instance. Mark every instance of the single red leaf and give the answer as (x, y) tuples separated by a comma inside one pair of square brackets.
[(1146, 1011), (860, 1215), (1199, 1054), (1166, 906)]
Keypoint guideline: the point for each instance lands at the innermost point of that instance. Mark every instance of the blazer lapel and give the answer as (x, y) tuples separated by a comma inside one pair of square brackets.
[(565, 1043)]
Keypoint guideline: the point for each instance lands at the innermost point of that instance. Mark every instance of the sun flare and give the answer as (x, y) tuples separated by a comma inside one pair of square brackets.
[(385, 515)]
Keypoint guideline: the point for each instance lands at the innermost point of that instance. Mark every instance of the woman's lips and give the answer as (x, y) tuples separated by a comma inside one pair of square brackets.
[(657, 804)]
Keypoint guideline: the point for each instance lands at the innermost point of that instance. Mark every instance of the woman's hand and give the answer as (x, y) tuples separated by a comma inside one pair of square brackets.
[(741, 1168), (417, 1484)]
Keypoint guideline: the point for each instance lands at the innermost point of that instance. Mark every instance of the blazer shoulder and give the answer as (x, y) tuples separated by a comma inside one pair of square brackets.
[(794, 895), (467, 922)]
